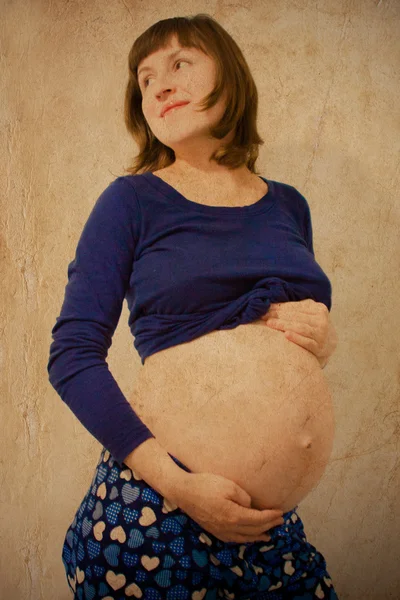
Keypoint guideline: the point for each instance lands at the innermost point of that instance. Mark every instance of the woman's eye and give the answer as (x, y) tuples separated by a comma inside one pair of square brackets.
[(176, 62)]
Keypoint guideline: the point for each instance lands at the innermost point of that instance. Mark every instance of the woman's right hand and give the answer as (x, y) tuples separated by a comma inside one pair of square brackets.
[(222, 508)]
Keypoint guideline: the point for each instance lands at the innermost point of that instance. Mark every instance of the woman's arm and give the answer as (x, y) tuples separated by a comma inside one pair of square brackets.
[(97, 281), (153, 464)]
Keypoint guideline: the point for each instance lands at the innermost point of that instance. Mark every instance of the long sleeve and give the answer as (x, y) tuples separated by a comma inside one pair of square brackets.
[(97, 281), (308, 236), (308, 231)]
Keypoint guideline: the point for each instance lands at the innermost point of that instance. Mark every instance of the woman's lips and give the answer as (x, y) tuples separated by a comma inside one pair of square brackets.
[(174, 107)]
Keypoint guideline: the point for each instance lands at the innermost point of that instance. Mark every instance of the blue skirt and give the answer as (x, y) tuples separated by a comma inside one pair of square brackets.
[(127, 541)]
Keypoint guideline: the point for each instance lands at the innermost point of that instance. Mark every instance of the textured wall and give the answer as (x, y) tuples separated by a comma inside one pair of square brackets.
[(328, 79)]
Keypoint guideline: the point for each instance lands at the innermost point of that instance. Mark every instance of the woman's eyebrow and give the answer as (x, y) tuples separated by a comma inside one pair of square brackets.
[(170, 57)]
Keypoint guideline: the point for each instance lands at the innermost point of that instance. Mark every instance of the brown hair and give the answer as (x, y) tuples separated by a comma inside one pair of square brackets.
[(233, 78)]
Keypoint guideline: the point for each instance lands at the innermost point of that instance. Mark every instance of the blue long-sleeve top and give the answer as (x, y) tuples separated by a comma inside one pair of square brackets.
[(185, 269)]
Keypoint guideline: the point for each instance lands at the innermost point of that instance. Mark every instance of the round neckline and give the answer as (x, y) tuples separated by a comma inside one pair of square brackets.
[(261, 205)]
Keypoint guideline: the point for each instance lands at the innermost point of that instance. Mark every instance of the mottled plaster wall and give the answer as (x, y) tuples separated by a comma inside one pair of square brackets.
[(328, 79)]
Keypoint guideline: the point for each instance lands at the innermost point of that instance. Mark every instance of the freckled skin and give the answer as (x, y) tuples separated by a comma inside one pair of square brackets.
[(244, 403)]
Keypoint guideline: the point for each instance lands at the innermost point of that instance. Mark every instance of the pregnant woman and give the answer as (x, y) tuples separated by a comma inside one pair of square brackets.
[(230, 424)]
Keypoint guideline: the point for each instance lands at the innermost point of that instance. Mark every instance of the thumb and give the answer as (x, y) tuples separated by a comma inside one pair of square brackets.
[(241, 497)]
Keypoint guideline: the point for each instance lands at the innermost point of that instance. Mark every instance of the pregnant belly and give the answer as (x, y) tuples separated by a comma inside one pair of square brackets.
[(244, 403)]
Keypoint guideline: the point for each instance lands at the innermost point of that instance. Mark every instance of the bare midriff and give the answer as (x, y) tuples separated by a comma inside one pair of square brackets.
[(244, 403)]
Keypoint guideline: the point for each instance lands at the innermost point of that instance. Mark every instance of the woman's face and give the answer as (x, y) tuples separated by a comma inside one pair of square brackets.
[(178, 74)]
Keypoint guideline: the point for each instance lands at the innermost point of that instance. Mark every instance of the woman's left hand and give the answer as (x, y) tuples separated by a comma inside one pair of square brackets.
[(306, 323)]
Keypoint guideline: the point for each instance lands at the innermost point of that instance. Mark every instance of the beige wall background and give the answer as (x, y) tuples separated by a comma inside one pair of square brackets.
[(327, 73)]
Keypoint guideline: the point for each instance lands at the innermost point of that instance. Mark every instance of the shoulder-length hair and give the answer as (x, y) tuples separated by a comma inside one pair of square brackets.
[(233, 77)]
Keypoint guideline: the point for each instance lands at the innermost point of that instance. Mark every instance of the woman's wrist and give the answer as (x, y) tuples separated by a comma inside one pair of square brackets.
[(151, 462)]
